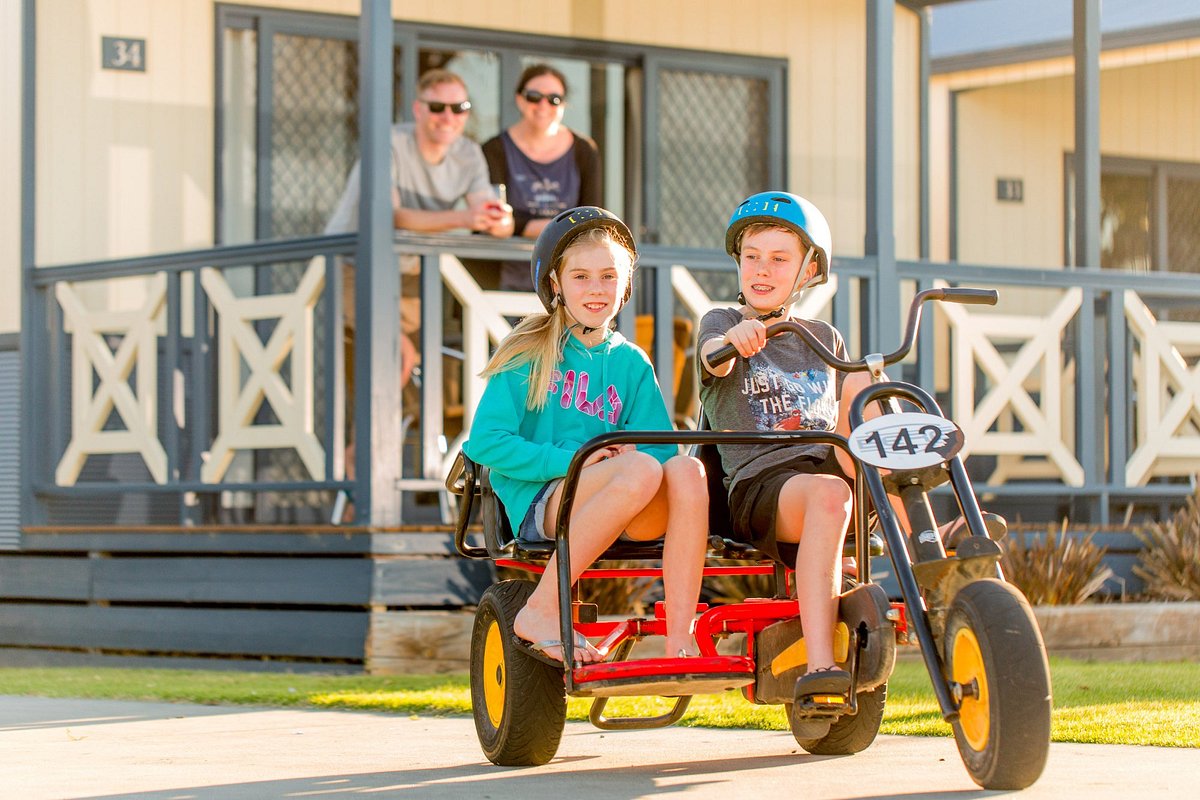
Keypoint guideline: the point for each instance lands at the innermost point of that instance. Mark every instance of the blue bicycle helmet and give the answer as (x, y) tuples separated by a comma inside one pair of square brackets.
[(559, 233), (787, 211)]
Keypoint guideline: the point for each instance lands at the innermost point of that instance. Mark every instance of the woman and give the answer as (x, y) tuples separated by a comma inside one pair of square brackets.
[(546, 167)]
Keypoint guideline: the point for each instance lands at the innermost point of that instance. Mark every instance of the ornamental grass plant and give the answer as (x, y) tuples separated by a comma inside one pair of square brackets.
[(1054, 569), (1169, 563)]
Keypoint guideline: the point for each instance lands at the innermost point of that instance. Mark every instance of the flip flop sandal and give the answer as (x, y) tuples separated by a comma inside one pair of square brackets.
[(537, 650)]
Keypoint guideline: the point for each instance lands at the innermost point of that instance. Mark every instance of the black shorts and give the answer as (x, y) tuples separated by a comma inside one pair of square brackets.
[(754, 503)]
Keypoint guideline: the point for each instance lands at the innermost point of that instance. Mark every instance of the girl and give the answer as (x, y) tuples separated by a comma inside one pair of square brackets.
[(556, 381)]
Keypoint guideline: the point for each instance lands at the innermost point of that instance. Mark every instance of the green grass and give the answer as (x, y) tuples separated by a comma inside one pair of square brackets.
[(1096, 702)]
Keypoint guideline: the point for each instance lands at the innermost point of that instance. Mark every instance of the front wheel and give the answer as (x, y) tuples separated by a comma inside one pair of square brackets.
[(996, 661), (849, 734), (519, 703)]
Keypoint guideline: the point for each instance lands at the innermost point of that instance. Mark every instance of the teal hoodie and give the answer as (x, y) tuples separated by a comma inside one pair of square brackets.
[(609, 387)]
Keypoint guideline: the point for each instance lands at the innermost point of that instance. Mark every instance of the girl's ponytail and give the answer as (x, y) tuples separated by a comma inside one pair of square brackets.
[(538, 340)]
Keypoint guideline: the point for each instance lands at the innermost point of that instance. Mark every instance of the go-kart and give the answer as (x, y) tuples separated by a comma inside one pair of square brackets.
[(976, 633)]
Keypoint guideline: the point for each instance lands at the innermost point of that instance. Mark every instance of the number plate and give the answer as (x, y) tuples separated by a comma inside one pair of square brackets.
[(906, 441)]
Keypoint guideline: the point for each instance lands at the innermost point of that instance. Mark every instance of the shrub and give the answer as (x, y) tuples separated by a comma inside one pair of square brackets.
[(1055, 569), (1169, 562)]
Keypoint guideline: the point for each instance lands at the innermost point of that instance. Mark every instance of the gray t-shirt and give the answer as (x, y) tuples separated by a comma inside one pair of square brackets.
[(423, 186), (785, 386)]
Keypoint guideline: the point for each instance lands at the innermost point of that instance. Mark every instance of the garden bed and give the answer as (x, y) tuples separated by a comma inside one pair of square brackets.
[(429, 642)]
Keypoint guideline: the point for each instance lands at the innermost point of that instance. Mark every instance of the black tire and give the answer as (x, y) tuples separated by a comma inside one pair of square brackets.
[(993, 642), (519, 703), (849, 734)]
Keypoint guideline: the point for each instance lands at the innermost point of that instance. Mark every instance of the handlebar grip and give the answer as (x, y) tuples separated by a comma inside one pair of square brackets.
[(975, 297), (722, 354)]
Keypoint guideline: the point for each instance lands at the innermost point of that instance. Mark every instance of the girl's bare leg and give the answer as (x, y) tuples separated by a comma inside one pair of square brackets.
[(608, 495), (681, 508), (684, 549)]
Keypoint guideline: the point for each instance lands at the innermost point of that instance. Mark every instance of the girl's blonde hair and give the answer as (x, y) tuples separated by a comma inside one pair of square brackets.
[(538, 339)]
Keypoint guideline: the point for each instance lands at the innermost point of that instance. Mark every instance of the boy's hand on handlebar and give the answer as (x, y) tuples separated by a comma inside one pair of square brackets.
[(744, 339), (748, 337)]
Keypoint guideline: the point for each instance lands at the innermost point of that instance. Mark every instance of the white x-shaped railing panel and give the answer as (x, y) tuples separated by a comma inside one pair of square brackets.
[(238, 403), (485, 314), (1044, 435), (90, 411), (1167, 387)]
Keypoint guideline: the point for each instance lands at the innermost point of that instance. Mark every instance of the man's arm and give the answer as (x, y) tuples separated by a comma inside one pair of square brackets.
[(413, 219), (486, 216)]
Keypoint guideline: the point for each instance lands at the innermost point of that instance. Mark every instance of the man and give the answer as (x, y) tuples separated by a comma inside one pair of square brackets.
[(439, 183)]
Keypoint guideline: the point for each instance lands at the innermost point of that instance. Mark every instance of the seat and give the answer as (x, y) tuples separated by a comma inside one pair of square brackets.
[(466, 477)]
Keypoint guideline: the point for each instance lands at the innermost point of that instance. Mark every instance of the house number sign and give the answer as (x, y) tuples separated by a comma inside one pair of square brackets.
[(120, 52)]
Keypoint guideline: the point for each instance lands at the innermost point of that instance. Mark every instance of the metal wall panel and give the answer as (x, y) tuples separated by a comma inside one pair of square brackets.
[(10, 449)]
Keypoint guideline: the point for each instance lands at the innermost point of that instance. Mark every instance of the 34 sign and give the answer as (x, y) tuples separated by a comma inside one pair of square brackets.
[(120, 52)]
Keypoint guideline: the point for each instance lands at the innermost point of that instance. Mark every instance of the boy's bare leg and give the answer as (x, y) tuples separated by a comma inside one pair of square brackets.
[(813, 513), (597, 519)]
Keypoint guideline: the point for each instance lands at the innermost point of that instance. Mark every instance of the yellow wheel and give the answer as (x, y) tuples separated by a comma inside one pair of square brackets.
[(996, 665), (493, 674), (519, 703), (969, 672)]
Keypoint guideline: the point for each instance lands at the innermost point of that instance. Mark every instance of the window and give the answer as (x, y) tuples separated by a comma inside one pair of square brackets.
[(672, 168), (1148, 213)]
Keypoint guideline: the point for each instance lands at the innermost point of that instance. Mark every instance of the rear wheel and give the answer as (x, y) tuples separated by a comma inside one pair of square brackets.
[(849, 734), (996, 660), (519, 703)]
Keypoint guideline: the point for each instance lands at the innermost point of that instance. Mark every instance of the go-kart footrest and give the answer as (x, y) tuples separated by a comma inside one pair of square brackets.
[(596, 715)]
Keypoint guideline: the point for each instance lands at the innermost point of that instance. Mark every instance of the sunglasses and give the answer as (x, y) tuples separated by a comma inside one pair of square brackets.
[(534, 96), (437, 107)]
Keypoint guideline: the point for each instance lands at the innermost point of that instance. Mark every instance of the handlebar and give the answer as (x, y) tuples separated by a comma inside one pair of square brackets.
[(986, 297)]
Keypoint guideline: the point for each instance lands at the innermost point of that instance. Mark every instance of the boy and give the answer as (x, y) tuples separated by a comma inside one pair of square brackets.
[(793, 502)]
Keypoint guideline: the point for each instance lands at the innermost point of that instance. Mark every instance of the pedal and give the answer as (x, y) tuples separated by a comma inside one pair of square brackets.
[(820, 706)]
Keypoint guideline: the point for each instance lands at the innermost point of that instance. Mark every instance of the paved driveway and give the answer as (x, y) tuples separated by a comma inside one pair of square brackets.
[(53, 748)]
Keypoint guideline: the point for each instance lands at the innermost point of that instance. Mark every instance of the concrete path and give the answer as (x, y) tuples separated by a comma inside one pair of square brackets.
[(52, 748)]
